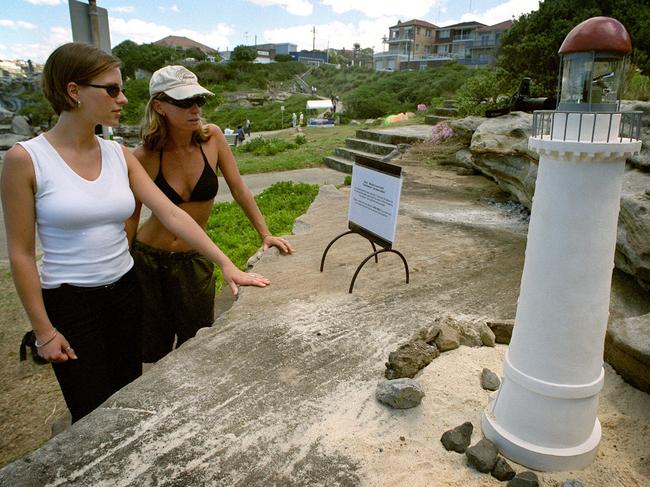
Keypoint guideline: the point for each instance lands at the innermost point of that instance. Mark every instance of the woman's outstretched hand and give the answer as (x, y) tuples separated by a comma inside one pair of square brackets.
[(281, 243), (235, 278)]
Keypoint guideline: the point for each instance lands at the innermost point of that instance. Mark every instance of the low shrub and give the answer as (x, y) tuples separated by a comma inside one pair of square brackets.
[(266, 147)]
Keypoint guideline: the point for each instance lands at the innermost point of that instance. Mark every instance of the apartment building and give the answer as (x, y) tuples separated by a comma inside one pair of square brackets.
[(406, 41), (469, 43)]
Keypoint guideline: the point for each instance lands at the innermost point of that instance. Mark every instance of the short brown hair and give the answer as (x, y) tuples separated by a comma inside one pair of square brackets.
[(76, 62)]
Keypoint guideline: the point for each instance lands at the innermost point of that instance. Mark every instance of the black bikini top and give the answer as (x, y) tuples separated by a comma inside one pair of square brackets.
[(205, 188)]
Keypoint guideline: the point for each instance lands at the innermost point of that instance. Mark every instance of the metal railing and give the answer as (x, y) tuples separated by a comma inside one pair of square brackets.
[(620, 126)]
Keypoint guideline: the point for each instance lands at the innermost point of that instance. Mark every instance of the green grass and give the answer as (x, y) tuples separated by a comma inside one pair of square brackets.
[(320, 142), (280, 204)]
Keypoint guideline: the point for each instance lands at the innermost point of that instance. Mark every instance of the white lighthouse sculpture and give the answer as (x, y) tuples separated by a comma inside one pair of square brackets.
[(545, 414)]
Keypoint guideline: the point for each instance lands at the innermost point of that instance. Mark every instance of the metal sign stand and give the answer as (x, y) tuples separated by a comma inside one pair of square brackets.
[(354, 228)]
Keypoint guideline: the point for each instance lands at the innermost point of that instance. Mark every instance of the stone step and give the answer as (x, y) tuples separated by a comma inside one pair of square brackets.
[(339, 164), (434, 119), (449, 104), (5, 129), (369, 146), (387, 138), (352, 154), (445, 112)]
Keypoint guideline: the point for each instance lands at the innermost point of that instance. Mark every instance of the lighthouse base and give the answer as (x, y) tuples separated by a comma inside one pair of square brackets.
[(539, 457)]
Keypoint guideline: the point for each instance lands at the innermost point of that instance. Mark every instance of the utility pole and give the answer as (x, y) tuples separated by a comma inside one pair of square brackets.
[(313, 42)]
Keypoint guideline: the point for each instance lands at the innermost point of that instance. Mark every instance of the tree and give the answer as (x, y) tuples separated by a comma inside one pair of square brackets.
[(283, 58), (149, 57), (243, 53), (530, 46)]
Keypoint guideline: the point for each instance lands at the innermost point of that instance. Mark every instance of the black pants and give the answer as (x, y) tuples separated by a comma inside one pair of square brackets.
[(178, 291), (102, 324)]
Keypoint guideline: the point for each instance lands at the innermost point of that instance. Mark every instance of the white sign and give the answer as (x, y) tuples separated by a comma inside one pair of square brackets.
[(374, 201)]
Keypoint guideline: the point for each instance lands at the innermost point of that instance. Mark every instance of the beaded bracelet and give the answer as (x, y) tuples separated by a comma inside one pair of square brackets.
[(39, 345)]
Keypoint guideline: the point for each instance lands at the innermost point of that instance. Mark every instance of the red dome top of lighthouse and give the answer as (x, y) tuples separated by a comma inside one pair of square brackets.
[(597, 34)]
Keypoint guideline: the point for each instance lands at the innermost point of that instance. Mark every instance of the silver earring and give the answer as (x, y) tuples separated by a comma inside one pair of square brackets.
[(78, 103)]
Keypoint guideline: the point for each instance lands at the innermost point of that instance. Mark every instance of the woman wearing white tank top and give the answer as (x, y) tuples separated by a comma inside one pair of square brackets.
[(78, 190)]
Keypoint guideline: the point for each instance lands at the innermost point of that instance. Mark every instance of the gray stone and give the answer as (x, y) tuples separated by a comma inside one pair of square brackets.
[(7, 141), (470, 337), (427, 334), (524, 479), (627, 349), (400, 393), (571, 483), (447, 339), (5, 115), (502, 470), (409, 359), (465, 127), (502, 330), (20, 126), (458, 439), (464, 159), (482, 456), (354, 122), (489, 380), (487, 336)]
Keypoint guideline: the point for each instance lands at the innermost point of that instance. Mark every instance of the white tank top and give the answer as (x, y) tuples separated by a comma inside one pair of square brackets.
[(80, 222)]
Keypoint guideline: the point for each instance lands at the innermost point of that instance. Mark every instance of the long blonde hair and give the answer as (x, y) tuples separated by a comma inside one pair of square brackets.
[(154, 131)]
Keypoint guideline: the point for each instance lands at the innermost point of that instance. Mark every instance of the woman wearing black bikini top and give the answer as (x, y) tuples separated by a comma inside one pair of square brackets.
[(182, 155)]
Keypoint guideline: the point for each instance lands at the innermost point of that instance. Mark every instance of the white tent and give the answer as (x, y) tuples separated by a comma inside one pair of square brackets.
[(319, 105)]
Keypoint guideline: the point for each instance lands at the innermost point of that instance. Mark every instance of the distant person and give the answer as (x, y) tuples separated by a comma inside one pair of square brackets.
[(77, 190), (301, 120), (182, 155), (333, 100), (247, 127), (294, 120), (228, 131), (241, 136)]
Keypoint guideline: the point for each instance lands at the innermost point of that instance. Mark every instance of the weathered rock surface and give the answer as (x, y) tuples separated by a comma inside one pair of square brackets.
[(20, 126), (489, 380), (447, 339), (400, 393), (482, 456), (524, 479), (409, 359), (502, 330), (488, 338), (627, 349), (571, 483), (502, 470), (459, 438), (7, 141), (280, 391), (499, 149)]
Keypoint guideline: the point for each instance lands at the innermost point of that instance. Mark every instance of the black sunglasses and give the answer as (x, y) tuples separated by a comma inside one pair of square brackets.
[(185, 103), (112, 90)]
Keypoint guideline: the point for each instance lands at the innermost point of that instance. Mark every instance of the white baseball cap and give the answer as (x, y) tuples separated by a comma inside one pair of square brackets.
[(178, 82)]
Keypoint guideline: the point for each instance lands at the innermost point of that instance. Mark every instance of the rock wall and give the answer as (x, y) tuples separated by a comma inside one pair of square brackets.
[(499, 149)]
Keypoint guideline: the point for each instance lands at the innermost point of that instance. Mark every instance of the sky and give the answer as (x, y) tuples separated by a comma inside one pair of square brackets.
[(32, 29)]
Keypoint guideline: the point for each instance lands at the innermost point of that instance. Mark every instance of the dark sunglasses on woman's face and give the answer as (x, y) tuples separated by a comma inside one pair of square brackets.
[(199, 101), (112, 90)]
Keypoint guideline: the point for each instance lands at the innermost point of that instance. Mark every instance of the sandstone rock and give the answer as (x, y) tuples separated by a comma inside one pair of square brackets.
[(487, 336), (20, 126), (489, 380), (354, 122), (524, 479), (465, 127), (571, 483), (502, 330), (627, 349), (5, 116), (7, 141), (409, 359), (447, 339), (464, 159), (502, 470), (400, 393), (507, 134), (642, 159), (427, 334), (482, 456), (458, 439), (470, 337)]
